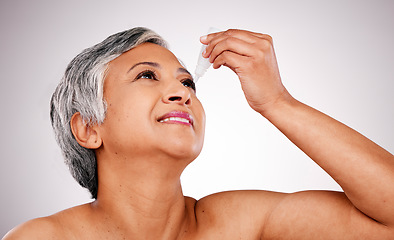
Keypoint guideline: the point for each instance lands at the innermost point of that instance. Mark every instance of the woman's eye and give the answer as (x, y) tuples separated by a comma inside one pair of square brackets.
[(189, 83), (148, 74)]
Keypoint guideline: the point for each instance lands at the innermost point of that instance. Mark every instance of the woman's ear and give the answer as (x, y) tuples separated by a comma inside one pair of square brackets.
[(87, 136)]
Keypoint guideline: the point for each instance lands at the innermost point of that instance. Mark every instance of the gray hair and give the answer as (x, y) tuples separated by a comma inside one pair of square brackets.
[(81, 90)]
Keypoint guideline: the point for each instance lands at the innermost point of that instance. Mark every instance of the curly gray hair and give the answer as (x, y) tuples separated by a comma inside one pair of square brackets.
[(81, 90)]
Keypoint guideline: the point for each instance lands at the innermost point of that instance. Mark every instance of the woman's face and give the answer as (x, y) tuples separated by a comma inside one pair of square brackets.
[(152, 108)]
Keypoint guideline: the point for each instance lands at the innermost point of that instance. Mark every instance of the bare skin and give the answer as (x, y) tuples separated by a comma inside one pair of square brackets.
[(140, 160)]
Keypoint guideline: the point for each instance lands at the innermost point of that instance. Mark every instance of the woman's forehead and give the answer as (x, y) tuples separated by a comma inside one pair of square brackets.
[(147, 52)]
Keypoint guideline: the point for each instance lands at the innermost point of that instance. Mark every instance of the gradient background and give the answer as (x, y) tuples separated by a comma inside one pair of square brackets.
[(337, 56)]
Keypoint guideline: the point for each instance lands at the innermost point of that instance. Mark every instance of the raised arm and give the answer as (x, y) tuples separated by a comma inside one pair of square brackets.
[(364, 170)]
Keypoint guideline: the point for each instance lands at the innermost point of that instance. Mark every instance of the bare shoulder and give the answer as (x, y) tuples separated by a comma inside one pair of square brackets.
[(56, 226), (235, 201), (40, 228), (240, 213)]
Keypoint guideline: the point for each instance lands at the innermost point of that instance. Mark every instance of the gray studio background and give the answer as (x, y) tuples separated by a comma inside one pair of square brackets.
[(337, 56)]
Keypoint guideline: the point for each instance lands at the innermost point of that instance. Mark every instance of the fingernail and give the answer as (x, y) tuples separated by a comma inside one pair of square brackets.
[(204, 53), (203, 39)]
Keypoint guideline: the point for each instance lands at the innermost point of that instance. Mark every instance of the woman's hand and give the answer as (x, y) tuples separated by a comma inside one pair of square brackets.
[(251, 56)]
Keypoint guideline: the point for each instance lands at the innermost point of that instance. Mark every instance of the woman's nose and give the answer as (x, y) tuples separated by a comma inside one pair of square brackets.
[(177, 93)]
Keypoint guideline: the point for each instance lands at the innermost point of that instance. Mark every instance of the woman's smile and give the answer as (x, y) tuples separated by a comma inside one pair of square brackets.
[(177, 117)]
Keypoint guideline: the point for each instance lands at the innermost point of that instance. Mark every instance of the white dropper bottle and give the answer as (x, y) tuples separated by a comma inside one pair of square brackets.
[(203, 63)]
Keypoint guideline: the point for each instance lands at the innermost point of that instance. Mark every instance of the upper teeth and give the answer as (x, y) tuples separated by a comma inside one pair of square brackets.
[(175, 119)]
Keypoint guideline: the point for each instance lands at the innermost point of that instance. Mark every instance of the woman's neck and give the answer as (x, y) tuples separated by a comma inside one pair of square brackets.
[(142, 197)]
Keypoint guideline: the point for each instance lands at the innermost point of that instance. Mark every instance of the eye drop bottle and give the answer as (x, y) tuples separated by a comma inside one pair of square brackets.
[(203, 63)]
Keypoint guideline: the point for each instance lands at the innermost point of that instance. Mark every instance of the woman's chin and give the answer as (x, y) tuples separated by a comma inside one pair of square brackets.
[(183, 152), (182, 146)]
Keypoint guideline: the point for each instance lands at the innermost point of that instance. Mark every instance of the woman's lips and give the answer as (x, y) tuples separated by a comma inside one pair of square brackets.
[(177, 117)]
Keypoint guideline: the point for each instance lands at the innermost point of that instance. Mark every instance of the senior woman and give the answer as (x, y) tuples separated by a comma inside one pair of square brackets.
[(128, 122)]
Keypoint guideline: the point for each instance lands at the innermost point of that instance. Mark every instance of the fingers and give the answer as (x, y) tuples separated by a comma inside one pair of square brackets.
[(229, 59), (230, 44), (241, 42), (242, 34)]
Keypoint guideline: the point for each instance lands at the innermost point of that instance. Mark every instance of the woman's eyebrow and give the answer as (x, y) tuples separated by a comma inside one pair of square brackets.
[(152, 64), (157, 65), (183, 70)]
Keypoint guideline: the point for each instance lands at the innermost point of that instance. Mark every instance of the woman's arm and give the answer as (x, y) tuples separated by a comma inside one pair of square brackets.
[(364, 170)]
